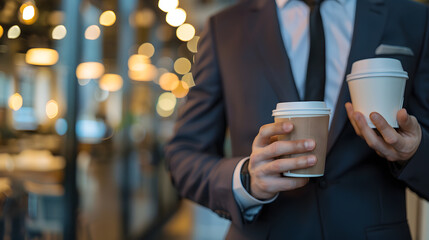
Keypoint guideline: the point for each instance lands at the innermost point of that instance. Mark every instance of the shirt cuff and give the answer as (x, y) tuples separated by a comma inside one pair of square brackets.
[(247, 203)]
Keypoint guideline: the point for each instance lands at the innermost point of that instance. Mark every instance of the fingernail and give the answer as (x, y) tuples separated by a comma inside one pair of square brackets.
[(309, 144), (311, 160), (375, 116), (287, 126)]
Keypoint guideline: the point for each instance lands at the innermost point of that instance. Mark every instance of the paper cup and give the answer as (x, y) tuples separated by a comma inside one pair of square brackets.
[(311, 121), (377, 85)]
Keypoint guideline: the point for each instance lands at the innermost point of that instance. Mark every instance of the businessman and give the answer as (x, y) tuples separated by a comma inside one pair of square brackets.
[(261, 52)]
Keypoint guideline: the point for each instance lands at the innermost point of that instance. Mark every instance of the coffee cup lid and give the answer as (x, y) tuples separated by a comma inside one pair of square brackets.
[(377, 67), (301, 108)]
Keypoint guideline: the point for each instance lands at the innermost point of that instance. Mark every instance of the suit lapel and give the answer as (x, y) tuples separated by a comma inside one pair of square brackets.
[(368, 28), (266, 37)]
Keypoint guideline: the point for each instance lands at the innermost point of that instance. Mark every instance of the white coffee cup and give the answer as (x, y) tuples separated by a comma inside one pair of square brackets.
[(311, 121), (377, 85)]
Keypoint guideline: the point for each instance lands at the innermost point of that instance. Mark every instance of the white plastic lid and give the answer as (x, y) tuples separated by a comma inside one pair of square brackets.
[(301, 108), (377, 67)]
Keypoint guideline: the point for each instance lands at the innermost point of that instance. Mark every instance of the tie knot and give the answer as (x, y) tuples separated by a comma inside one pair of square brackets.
[(312, 3)]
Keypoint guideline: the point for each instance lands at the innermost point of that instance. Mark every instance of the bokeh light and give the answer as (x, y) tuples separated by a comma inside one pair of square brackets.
[(176, 17), (61, 126), (143, 18), (83, 81), (1, 31), (92, 32), (107, 18), (51, 109), (168, 5), (168, 81), (89, 70), (182, 66), (167, 101), (185, 32), (41, 56), (28, 13), (193, 44), (146, 49), (137, 62), (15, 101), (147, 73), (162, 112), (59, 32), (188, 79), (181, 90), (14, 32), (111, 82)]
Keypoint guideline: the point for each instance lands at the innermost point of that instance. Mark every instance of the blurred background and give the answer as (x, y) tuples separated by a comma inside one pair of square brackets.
[(89, 91)]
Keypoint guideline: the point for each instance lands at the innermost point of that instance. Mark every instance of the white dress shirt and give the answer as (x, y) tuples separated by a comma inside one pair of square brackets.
[(338, 20)]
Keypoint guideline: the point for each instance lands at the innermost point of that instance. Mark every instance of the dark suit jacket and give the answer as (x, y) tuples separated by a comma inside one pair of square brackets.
[(242, 71)]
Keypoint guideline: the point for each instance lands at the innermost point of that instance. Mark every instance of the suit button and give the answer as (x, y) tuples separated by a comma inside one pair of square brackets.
[(323, 184)]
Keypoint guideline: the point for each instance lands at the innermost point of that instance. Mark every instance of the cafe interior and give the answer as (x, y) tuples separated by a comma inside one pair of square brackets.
[(89, 94)]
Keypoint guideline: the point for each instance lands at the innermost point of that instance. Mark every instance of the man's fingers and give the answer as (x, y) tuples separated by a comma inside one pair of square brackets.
[(350, 110), (372, 139), (269, 130), (279, 166), (279, 148), (390, 135), (407, 123)]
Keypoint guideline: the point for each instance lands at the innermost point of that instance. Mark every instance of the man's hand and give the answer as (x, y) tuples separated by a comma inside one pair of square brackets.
[(392, 145), (266, 171)]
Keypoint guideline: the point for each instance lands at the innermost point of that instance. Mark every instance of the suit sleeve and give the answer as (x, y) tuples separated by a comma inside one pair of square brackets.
[(195, 153), (415, 173)]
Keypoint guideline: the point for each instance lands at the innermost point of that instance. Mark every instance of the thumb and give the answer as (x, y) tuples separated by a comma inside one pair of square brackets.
[(405, 121)]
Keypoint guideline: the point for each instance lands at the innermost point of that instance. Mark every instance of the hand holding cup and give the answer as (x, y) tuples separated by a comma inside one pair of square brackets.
[(394, 145), (266, 170)]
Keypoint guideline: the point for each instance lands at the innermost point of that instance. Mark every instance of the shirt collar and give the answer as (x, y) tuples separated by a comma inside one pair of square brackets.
[(282, 3)]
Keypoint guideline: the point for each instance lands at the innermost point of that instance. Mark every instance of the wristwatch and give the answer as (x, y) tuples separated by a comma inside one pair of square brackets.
[(245, 176)]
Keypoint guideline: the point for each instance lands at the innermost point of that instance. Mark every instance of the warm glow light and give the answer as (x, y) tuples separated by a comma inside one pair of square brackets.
[(52, 109), (182, 66), (111, 82), (188, 79), (89, 70), (41, 56), (167, 101), (138, 62), (147, 73), (92, 32), (1, 31), (15, 102), (168, 81), (162, 112), (181, 90), (107, 18), (192, 44), (28, 13), (147, 49), (14, 32), (59, 32), (185, 32), (176, 17), (168, 5), (143, 18)]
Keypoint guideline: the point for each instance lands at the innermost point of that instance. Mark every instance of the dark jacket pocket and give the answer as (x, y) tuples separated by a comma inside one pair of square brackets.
[(394, 231)]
